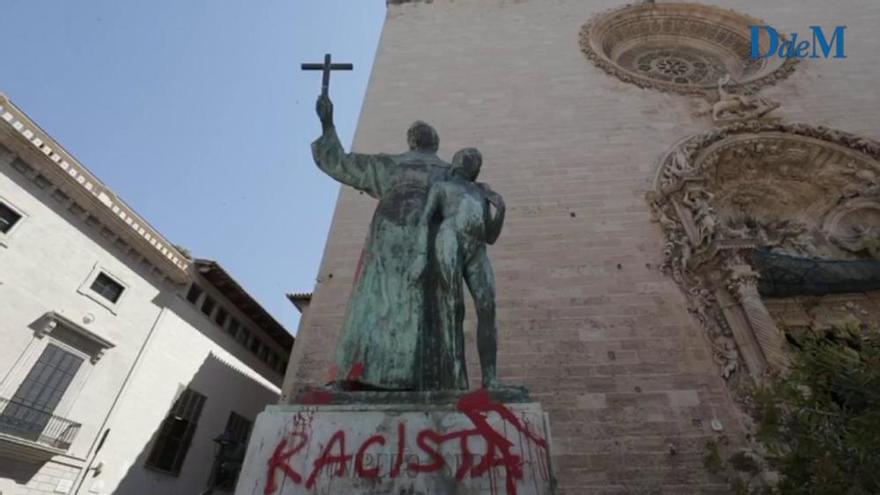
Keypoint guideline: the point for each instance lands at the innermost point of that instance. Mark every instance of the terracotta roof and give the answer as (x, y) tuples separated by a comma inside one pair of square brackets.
[(220, 278)]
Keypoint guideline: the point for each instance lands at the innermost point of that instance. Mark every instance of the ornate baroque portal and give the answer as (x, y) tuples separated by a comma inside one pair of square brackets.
[(761, 210), (678, 47)]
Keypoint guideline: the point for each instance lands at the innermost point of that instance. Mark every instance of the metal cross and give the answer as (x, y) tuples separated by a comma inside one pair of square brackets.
[(326, 67)]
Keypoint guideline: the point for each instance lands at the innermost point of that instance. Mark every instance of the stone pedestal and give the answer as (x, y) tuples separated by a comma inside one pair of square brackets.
[(405, 443)]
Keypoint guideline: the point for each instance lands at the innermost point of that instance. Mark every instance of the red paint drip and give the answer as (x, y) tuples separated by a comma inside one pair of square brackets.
[(315, 397), (476, 406), (356, 372), (401, 443)]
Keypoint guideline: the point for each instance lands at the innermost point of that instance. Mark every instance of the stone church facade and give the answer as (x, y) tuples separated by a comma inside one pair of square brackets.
[(675, 209), (123, 362)]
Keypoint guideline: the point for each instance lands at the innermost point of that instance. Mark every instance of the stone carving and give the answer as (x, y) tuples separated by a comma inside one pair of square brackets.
[(403, 324), (698, 200), (863, 241), (732, 107), (682, 48), (767, 185), (726, 357)]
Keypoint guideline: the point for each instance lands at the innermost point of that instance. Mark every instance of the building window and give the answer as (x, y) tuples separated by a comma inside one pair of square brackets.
[(234, 325), (255, 344), (194, 293), (176, 433), (242, 336), (107, 288), (263, 353), (231, 456), (104, 288), (8, 218), (208, 306), (29, 414), (221, 317)]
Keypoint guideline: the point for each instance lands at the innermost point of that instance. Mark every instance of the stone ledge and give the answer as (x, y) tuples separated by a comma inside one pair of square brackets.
[(327, 396)]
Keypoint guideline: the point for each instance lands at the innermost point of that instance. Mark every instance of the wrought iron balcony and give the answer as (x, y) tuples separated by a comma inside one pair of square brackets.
[(29, 423)]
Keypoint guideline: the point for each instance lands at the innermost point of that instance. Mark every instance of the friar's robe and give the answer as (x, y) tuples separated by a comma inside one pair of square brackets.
[(389, 338)]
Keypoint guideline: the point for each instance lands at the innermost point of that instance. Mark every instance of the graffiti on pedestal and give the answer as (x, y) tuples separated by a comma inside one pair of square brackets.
[(337, 457)]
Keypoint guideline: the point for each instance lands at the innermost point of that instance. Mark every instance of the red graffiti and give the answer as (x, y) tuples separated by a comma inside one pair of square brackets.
[(327, 458), (476, 406), (356, 372), (359, 458), (315, 397), (401, 443), (280, 461)]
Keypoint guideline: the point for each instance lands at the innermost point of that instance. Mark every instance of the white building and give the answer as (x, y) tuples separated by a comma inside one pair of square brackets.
[(122, 360)]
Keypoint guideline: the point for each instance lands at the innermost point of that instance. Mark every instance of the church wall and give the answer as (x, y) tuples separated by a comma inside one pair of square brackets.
[(586, 320)]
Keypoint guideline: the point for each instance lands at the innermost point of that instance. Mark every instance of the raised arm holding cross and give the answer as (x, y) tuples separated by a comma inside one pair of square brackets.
[(325, 106)]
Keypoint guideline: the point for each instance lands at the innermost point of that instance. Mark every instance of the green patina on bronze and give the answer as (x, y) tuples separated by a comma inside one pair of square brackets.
[(403, 325)]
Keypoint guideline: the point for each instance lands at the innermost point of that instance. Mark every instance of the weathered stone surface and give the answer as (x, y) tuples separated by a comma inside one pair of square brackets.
[(583, 306), (472, 446)]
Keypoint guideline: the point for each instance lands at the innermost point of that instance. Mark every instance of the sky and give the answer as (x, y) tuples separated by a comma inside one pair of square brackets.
[(197, 115)]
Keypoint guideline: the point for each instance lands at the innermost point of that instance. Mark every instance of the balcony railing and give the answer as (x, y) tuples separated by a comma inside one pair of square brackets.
[(29, 423)]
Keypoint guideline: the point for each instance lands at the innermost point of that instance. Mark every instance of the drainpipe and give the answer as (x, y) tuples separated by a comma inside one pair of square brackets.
[(102, 432)]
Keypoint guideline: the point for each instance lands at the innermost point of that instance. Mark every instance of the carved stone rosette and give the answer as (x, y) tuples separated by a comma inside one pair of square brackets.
[(680, 47), (793, 190)]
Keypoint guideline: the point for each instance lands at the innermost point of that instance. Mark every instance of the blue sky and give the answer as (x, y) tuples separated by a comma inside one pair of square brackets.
[(196, 113)]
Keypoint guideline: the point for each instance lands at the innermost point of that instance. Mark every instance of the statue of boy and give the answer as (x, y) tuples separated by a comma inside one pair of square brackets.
[(467, 225)]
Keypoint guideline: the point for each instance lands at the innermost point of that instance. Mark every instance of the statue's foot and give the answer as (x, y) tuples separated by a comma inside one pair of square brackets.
[(506, 393), (494, 386)]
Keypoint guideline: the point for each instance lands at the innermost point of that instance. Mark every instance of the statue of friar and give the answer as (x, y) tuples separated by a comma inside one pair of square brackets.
[(403, 324)]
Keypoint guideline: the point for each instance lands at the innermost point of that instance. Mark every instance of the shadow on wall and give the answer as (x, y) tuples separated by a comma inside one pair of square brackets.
[(19, 471), (225, 390)]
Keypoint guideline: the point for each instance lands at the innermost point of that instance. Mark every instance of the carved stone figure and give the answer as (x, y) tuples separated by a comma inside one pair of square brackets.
[(865, 241), (727, 356), (403, 324), (732, 107), (698, 200)]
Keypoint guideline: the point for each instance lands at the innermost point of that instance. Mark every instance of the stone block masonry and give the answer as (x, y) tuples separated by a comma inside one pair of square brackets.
[(586, 320)]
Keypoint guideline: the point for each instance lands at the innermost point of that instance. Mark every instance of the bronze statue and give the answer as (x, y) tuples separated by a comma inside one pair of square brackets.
[(403, 325)]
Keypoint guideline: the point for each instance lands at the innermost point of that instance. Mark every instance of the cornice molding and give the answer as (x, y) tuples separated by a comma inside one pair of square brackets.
[(51, 160)]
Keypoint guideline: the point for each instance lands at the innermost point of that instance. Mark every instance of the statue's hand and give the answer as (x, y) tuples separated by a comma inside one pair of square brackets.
[(324, 109)]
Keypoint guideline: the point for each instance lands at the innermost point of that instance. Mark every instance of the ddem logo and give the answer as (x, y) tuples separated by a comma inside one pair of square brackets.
[(820, 47)]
